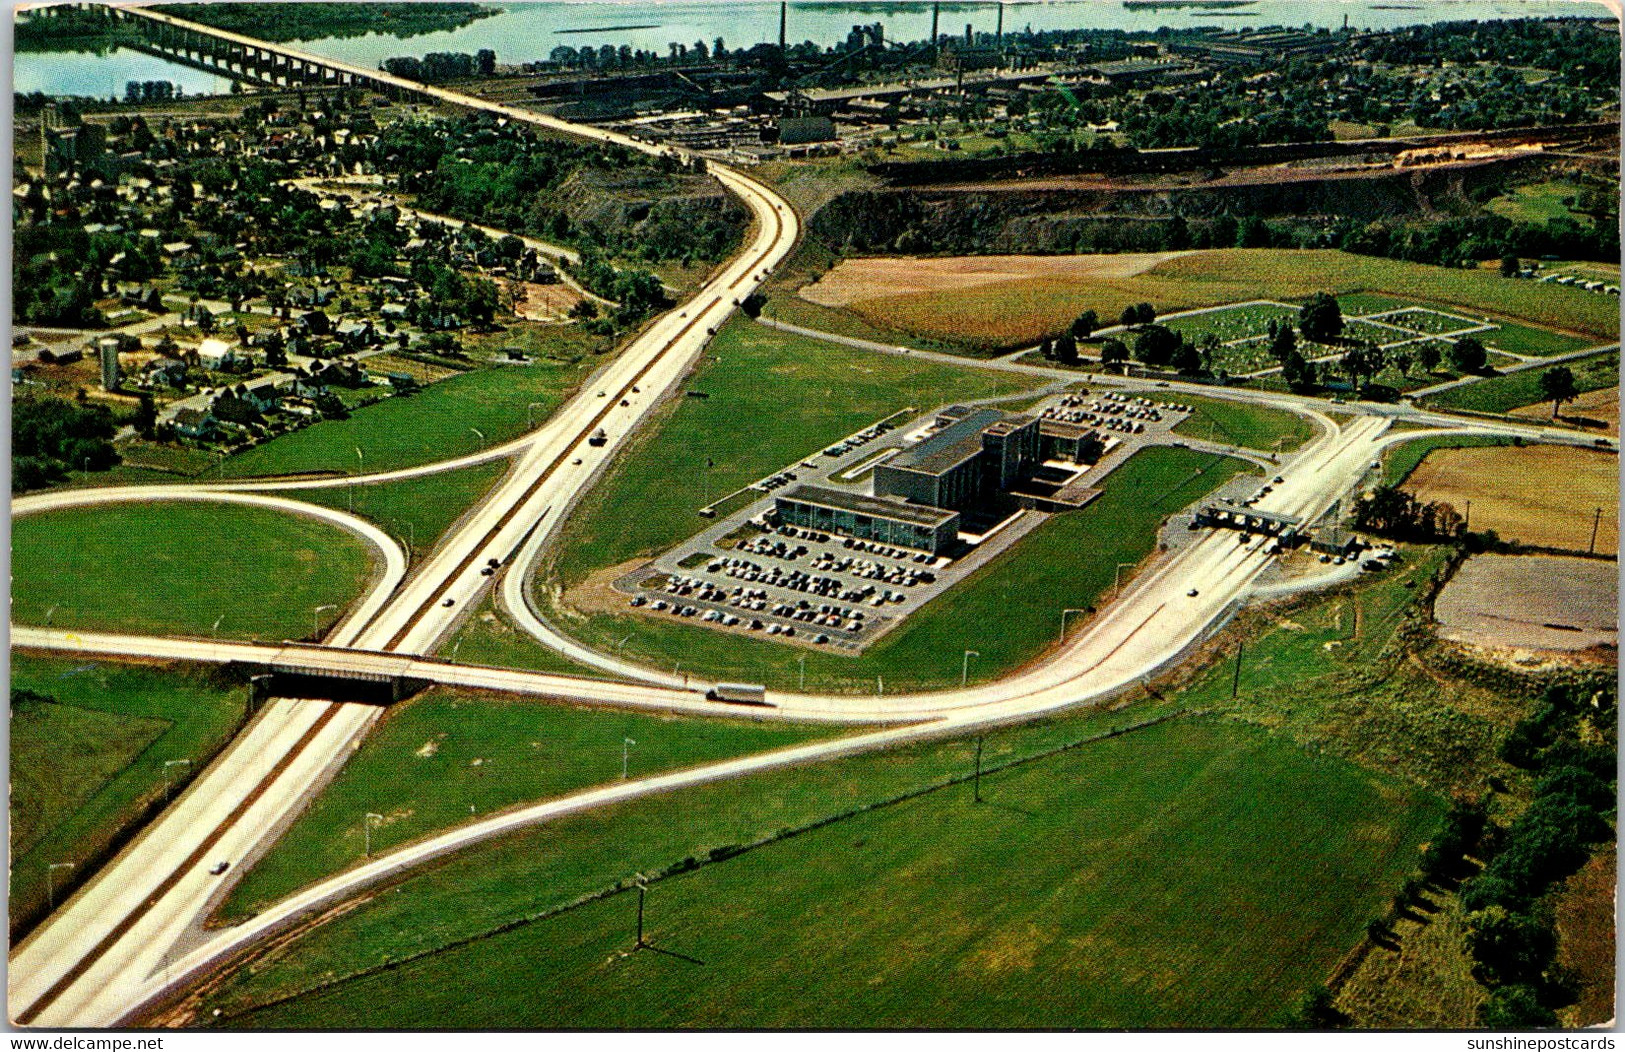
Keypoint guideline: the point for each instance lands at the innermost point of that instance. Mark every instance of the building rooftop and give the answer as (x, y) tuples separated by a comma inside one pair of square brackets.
[(863, 504), (957, 442)]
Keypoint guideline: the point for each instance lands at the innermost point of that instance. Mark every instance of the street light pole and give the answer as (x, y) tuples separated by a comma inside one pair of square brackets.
[(366, 831), (169, 783), (316, 618), (964, 667), (530, 413), (1117, 579), (802, 661), (50, 882), (626, 752), (478, 434), (1068, 610)]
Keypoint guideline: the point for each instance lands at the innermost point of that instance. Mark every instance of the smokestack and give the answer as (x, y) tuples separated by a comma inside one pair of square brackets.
[(998, 35), (784, 14), (968, 38), (936, 10)]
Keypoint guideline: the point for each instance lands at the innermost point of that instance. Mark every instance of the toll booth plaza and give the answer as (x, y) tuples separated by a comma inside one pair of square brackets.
[(338, 675), (1289, 528)]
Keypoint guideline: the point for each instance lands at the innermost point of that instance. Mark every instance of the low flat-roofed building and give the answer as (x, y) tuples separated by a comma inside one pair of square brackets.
[(868, 518)]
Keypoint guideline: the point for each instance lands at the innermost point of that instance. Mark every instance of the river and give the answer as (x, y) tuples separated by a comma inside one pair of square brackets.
[(525, 32)]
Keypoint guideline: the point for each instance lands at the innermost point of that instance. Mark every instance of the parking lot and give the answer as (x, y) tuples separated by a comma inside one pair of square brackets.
[(745, 573)]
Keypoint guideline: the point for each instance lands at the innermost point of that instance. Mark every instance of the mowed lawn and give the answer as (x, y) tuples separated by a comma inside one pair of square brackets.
[(774, 400), (1501, 394), (1152, 880), (436, 423), (1244, 424), (1009, 610), (83, 766), (178, 567), (443, 758), (1019, 312), (416, 510)]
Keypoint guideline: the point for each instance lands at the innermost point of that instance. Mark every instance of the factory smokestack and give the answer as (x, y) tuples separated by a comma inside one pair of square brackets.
[(784, 15), (936, 11), (969, 39), (998, 35)]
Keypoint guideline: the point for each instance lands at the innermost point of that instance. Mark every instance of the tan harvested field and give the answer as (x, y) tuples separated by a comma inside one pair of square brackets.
[(853, 280), (1542, 495), (1010, 301), (535, 302), (1532, 602), (1601, 406)]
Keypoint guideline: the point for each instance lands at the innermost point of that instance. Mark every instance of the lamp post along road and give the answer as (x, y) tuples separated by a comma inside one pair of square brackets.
[(366, 832), (1068, 610), (964, 666), (316, 619), (626, 752), (50, 882)]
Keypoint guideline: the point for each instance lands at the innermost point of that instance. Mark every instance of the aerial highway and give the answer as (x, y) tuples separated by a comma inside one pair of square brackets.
[(133, 934)]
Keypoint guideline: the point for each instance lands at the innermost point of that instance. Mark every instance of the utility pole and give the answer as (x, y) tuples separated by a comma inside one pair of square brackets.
[(643, 889), (1235, 680), (1591, 549)]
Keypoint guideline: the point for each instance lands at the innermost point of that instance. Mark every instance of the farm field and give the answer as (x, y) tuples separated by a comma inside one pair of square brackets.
[(175, 568), (436, 423), (1069, 561), (794, 395), (1017, 311), (885, 919), (1518, 601), (1502, 394), (1540, 495), (1596, 408), (444, 757), (84, 764)]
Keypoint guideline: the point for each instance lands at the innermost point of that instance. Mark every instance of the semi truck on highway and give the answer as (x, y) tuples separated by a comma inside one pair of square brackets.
[(738, 693)]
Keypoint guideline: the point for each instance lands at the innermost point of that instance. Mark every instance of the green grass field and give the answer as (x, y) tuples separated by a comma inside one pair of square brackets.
[(1244, 424), (176, 567), (1136, 882), (443, 758), (418, 510), (1538, 202), (775, 399), (1503, 393), (1222, 276), (1069, 561), (436, 423), (1541, 343), (83, 767)]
